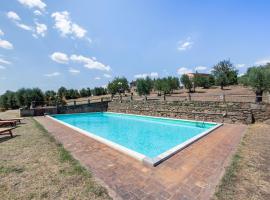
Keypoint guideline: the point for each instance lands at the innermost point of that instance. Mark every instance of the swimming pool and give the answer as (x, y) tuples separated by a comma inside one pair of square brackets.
[(149, 139)]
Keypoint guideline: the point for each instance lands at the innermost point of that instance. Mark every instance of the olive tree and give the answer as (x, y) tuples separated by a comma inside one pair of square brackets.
[(185, 80), (144, 86), (259, 79), (225, 73), (118, 85)]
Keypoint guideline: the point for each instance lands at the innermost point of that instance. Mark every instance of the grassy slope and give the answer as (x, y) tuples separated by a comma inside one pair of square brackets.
[(34, 166), (248, 176)]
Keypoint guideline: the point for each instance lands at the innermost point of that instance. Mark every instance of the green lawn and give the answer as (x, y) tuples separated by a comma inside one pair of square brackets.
[(34, 166)]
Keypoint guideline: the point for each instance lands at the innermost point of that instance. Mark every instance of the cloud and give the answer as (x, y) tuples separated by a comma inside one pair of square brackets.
[(66, 27), (97, 78), (107, 75), (5, 44), (1, 33), (24, 27), (89, 63), (240, 65), (60, 57), (41, 29), (3, 61), (185, 44), (262, 61), (144, 75), (37, 13), (78, 31), (39, 4), (13, 16), (154, 74), (16, 19), (200, 68), (74, 71), (52, 74), (183, 70)]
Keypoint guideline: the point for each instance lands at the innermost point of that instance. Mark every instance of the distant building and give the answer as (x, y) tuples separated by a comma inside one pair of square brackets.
[(192, 75)]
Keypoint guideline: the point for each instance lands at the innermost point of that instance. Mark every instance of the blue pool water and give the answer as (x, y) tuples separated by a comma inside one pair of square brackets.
[(146, 135)]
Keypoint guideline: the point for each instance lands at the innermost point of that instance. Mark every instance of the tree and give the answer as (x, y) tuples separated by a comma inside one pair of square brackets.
[(224, 73), (8, 100), (243, 80), (165, 86), (62, 91), (72, 94), (36, 96), (173, 83), (158, 85), (20, 97), (83, 92), (144, 86), (4, 101), (203, 82), (118, 85), (195, 81), (259, 79), (211, 79), (50, 97), (97, 91), (88, 90), (185, 80)]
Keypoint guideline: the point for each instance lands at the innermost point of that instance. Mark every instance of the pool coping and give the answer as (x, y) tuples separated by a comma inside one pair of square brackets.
[(144, 159)]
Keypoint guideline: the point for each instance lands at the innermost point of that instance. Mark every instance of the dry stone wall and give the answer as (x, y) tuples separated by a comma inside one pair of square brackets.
[(245, 113)]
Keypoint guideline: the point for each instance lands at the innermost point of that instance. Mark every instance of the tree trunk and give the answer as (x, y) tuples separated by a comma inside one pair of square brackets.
[(145, 97), (259, 96), (221, 86)]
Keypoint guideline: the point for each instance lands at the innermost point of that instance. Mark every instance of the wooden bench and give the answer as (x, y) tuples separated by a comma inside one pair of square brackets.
[(6, 131), (7, 123), (18, 119)]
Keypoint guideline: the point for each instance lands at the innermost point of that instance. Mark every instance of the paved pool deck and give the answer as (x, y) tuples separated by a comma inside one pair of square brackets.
[(192, 173)]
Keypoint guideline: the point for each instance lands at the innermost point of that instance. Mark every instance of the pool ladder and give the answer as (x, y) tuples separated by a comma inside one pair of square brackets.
[(201, 124)]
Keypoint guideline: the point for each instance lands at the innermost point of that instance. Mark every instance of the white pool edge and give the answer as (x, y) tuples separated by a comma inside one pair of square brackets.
[(149, 161)]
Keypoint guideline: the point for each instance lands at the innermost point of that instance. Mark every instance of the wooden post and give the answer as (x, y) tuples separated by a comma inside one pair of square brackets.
[(74, 103), (224, 100), (189, 97), (88, 101), (101, 100), (164, 97)]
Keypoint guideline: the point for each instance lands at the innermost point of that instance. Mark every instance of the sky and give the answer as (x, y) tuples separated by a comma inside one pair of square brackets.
[(86, 43)]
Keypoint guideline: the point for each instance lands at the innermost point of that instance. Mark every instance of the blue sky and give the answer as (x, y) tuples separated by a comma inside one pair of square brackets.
[(85, 43)]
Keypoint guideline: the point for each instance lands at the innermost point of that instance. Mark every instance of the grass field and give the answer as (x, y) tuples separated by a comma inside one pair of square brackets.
[(248, 176), (34, 166), (234, 93)]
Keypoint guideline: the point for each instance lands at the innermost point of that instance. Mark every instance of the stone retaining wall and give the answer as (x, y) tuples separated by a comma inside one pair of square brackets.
[(82, 108), (245, 113)]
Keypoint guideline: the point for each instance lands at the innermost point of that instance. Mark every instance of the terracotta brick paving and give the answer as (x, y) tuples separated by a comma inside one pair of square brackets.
[(192, 173)]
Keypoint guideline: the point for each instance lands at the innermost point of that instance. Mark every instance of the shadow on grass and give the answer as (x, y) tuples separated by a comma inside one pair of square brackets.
[(6, 138)]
